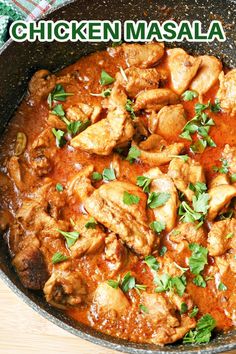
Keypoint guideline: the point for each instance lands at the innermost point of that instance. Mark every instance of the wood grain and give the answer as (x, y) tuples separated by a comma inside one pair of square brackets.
[(23, 331)]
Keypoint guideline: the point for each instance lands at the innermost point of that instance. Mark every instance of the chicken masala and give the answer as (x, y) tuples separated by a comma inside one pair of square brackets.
[(118, 192)]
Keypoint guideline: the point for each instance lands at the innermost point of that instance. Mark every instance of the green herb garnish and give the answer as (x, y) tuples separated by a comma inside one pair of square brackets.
[(59, 187), (58, 94), (58, 257), (133, 154), (109, 174), (157, 226), (130, 199), (59, 134), (156, 200), (71, 237), (144, 182), (202, 332), (91, 223), (152, 262), (189, 95), (106, 79)]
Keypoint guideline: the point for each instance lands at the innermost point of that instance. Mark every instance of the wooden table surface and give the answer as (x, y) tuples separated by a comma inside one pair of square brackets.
[(23, 331)]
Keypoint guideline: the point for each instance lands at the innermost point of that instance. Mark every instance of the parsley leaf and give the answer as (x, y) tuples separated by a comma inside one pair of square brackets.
[(189, 95), (59, 134), (182, 157), (58, 94), (91, 223), (230, 235), (222, 287), (106, 79), (215, 107), (157, 226), (194, 312), (202, 332), (156, 200), (77, 126), (113, 283), (183, 308), (129, 283), (162, 282), (96, 176), (187, 213), (133, 154), (198, 187), (129, 106), (58, 257), (163, 250), (152, 262), (198, 259), (200, 203), (144, 182), (179, 284), (199, 281), (109, 174), (71, 237), (143, 308), (59, 187), (104, 93), (58, 110), (130, 199)]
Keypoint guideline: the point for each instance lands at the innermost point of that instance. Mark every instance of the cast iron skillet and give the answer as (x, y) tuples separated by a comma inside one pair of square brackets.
[(19, 61)]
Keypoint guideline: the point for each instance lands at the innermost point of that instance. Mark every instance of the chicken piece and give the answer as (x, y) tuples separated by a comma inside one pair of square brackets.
[(155, 99), (226, 263), (115, 253), (41, 84), (80, 185), (220, 195), (42, 152), (222, 237), (143, 56), (108, 299), (65, 288), (161, 183), (160, 310), (74, 114), (31, 267), (6, 219), (140, 79), (33, 216), (156, 152), (227, 92), (83, 113), (90, 240), (219, 180), (100, 138), (168, 117), (183, 173), (207, 75), (55, 122), (15, 172), (186, 233), (183, 68), (117, 99), (50, 199), (229, 154), (128, 221), (163, 313)]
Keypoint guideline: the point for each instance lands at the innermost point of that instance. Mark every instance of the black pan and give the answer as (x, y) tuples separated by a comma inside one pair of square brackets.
[(19, 61)]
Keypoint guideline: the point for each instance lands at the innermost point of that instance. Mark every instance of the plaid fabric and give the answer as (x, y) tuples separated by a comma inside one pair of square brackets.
[(12, 10)]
